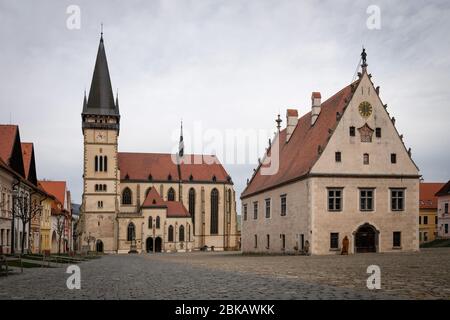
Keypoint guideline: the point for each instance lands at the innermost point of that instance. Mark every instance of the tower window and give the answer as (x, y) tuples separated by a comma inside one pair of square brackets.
[(96, 163)]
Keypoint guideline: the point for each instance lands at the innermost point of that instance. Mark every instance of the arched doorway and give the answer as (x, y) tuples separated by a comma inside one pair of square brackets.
[(99, 246), (158, 244), (149, 244), (366, 239)]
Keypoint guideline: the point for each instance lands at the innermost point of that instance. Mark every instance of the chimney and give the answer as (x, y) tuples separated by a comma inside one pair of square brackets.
[(316, 106), (291, 122)]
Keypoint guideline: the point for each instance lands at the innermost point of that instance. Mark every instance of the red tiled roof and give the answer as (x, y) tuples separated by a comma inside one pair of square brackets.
[(427, 192), (445, 190), (55, 188), (7, 138), (140, 166), (301, 152), (174, 208), (27, 152)]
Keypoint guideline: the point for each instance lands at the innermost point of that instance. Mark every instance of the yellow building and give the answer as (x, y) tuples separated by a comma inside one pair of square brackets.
[(428, 211), (46, 225)]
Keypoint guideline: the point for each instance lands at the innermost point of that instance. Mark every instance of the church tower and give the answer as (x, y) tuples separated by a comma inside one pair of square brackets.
[(100, 126)]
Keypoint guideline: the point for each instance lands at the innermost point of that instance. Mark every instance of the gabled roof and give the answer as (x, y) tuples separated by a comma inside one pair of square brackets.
[(175, 209), (298, 156), (427, 194), (101, 98), (161, 166), (55, 188), (10, 148), (444, 191), (29, 162)]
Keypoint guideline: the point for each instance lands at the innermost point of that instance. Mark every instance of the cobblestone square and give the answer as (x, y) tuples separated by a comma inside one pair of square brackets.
[(424, 275)]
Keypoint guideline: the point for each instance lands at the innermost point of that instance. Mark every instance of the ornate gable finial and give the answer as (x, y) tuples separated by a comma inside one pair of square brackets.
[(278, 121)]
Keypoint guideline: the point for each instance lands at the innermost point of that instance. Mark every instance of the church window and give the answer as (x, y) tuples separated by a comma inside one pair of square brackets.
[(104, 187), (157, 222), (171, 195), (189, 232), (126, 196), (100, 204), (192, 204), (378, 132), (352, 131), (105, 163), (393, 158), (96, 163), (214, 211), (131, 232), (150, 222), (366, 158), (96, 187), (170, 234), (181, 233), (100, 164), (334, 199)]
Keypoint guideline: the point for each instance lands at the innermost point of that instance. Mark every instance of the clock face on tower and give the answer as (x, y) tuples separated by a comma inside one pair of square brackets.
[(100, 136), (365, 109)]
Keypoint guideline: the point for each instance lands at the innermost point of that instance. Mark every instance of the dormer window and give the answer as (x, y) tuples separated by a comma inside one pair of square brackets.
[(191, 177), (214, 178), (127, 177), (150, 177), (169, 177)]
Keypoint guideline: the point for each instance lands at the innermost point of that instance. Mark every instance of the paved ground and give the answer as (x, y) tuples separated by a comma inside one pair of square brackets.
[(232, 276)]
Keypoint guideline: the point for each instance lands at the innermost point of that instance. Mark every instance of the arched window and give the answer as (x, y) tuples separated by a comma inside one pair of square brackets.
[(170, 234), (158, 222), (150, 222), (96, 187), (192, 204), (126, 196), (131, 232), (105, 163), (96, 163), (171, 195), (229, 199), (104, 187), (100, 164), (214, 211), (181, 233), (189, 232)]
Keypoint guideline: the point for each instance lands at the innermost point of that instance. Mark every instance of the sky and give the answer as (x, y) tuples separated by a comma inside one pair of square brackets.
[(220, 66)]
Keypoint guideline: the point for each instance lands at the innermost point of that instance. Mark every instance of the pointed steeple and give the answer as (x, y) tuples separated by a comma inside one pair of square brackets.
[(101, 98), (181, 145)]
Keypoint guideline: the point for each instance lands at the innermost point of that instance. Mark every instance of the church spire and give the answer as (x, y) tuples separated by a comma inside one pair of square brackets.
[(101, 98), (181, 144)]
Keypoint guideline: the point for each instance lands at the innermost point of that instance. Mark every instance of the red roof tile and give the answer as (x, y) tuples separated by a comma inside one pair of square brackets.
[(427, 192), (7, 138), (445, 190), (55, 188), (175, 209), (298, 156), (140, 166), (27, 152)]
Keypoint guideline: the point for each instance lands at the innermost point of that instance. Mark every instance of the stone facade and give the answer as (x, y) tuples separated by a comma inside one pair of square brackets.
[(363, 163)]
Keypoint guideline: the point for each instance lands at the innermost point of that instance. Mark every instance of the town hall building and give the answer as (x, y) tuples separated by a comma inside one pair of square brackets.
[(344, 179), (147, 202)]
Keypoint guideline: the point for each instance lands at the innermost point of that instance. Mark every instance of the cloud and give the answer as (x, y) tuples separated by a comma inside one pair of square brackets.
[(228, 64)]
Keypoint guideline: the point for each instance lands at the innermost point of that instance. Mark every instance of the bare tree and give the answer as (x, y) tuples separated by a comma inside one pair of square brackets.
[(25, 210), (60, 228)]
